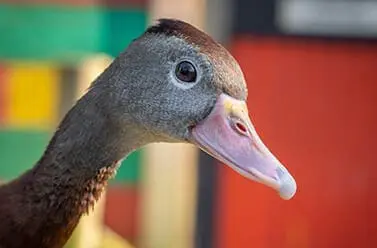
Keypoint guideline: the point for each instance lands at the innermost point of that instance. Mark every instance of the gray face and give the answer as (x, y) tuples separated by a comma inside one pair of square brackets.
[(152, 93), (148, 92)]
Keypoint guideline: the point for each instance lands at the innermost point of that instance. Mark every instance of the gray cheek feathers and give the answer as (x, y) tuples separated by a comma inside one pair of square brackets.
[(144, 86), (228, 76)]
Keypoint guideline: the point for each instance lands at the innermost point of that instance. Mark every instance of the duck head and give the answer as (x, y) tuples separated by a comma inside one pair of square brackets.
[(179, 85)]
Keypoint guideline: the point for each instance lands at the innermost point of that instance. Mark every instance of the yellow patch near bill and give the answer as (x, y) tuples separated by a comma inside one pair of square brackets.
[(33, 95)]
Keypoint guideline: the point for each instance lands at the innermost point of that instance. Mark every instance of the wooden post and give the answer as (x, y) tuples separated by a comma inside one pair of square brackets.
[(170, 170), (89, 232)]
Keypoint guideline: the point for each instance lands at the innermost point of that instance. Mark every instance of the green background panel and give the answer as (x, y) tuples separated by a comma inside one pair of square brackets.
[(129, 172), (48, 32), (122, 26), (66, 33), (20, 150)]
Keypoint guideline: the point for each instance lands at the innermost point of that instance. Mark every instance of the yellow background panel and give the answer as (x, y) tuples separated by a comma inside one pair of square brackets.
[(33, 95)]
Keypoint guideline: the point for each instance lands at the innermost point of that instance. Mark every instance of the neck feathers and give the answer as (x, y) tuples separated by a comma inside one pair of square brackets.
[(42, 207), (42, 212)]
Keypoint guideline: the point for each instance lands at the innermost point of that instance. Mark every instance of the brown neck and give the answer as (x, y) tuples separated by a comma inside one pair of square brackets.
[(42, 207)]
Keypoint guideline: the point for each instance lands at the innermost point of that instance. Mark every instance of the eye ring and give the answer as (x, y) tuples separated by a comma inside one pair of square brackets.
[(185, 71)]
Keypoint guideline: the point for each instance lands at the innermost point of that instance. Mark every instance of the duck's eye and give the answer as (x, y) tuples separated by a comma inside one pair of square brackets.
[(185, 71)]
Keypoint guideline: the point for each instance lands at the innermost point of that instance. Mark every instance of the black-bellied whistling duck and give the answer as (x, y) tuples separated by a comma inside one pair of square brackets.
[(172, 84)]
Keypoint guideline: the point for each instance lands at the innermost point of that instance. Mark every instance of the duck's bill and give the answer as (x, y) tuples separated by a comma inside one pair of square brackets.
[(228, 135)]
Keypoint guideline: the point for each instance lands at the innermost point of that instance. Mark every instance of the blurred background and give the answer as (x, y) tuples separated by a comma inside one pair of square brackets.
[(311, 68)]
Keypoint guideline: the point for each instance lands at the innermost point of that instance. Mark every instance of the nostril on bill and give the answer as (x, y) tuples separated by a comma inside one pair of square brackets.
[(240, 128)]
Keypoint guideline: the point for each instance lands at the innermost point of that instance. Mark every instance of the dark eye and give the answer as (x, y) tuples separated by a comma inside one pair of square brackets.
[(185, 72)]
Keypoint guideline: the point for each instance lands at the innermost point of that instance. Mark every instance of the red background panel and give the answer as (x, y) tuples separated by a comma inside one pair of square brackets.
[(314, 103), (121, 210)]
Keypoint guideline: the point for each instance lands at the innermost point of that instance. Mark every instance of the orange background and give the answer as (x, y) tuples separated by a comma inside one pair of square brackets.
[(314, 104), (1, 94)]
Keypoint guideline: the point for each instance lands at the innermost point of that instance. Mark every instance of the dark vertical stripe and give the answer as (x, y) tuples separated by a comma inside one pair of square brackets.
[(207, 178), (219, 19), (255, 16), (126, 3), (68, 87)]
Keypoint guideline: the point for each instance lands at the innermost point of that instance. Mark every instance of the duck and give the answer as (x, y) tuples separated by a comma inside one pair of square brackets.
[(173, 84)]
